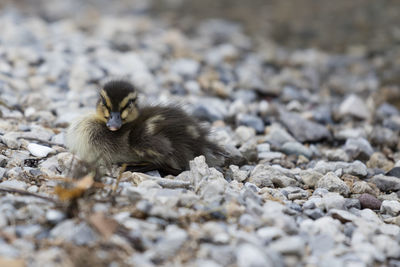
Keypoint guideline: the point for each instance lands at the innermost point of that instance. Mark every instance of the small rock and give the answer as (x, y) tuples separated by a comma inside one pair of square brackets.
[(59, 138), (386, 183), (354, 106), (277, 136), (39, 150), (33, 189), (395, 172), (358, 148), (304, 130), (10, 141), (3, 161), (352, 203), (237, 174), (169, 244), (54, 216), (361, 187), (334, 184), (391, 207), (249, 255), (251, 121), (333, 201), (314, 213), (336, 155), (342, 215), (356, 168), (185, 67), (291, 245), (80, 234), (2, 172), (267, 176), (295, 148), (244, 133), (310, 178), (379, 161), (15, 184), (381, 136), (209, 109), (368, 201)]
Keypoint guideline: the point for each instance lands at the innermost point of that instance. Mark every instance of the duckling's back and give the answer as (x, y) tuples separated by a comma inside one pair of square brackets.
[(170, 138)]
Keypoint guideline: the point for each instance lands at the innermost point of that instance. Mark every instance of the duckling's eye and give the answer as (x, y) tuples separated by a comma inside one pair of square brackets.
[(130, 102), (103, 101)]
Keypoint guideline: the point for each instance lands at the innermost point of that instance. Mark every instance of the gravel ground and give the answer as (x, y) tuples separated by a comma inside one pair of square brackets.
[(319, 131)]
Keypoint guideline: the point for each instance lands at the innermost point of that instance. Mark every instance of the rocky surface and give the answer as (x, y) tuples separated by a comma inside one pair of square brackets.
[(319, 132)]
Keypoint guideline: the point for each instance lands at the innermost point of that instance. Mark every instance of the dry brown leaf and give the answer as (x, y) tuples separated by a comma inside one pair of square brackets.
[(7, 262), (105, 226), (76, 189)]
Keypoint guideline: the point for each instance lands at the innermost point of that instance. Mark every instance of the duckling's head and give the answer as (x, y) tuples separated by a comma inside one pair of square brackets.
[(117, 104)]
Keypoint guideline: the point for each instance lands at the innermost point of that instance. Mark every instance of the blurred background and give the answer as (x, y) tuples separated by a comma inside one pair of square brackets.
[(367, 26)]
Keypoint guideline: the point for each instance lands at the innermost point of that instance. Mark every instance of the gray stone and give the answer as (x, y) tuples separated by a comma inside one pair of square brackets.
[(237, 174), (350, 133), (78, 233), (8, 251), (383, 137), (15, 184), (28, 230), (314, 213), (2, 172), (333, 201), (10, 140), (59, 139), (391, 207), (359, 147), (249, 255), (387, 245), (386, 183), (302, 129), (277, 136), (267, 176), (251, 121), (334, 184), (209, 109), (356, 168), (354, 106), (352, 203), (269, 156), (321, 244), (244, 133), (342, 215), (185, 67), (169, 244), (310, 178), (290, 245), (336, 155), (295, 148)]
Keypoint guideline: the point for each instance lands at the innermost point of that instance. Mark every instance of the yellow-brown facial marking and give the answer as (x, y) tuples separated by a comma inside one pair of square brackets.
[(103, 107), (128, 107), (117, 104)]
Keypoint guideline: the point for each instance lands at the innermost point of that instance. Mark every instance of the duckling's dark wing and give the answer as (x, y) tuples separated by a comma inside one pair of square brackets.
[(169, 138)]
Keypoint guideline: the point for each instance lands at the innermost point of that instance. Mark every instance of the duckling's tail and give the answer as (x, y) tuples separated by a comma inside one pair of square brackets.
[(216, 156)]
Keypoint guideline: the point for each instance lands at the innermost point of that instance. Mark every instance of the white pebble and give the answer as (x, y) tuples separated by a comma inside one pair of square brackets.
[(39, 150)]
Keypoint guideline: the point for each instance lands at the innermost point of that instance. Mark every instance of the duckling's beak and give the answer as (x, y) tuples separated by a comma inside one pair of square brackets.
[(114, 122)]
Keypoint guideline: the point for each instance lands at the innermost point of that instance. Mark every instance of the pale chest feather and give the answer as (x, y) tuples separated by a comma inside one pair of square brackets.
[(90, 140)]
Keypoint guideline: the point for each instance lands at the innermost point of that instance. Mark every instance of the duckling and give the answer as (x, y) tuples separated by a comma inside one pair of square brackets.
[(163, 138)]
